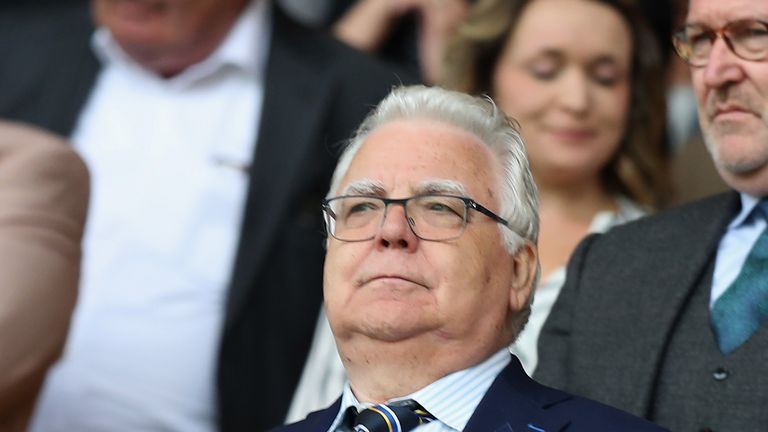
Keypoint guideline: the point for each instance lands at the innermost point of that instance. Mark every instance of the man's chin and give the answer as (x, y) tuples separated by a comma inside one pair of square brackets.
[(738, 154), (393, 329), (749, 176), (742, 162)]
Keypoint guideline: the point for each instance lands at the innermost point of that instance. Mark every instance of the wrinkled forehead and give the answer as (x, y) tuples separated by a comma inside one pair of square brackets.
[(419, 157), (716, 13), (374, 187)]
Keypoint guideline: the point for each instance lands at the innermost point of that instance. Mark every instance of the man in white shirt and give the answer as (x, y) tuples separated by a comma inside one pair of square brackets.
[(209, 127), (668, 317), (432, 220)]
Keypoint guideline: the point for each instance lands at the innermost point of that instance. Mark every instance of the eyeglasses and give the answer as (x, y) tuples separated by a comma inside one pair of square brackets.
[(748, 39), (353, 218)]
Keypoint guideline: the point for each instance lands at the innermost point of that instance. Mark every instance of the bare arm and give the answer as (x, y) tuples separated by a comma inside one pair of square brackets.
[(43, 200)]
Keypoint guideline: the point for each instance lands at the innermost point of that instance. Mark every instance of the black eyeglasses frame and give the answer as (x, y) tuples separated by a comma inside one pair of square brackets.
[(469, 203)]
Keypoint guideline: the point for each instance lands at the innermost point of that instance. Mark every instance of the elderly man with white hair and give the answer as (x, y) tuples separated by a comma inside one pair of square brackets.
[(432, 223)]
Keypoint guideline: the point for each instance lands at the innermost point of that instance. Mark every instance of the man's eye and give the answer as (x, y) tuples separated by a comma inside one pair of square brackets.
[(444, 208), (362, 207), (751, 34), (700, 38), (438, 207)]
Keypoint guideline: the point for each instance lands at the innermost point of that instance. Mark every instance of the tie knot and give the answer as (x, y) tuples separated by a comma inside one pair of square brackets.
[(400, 416)]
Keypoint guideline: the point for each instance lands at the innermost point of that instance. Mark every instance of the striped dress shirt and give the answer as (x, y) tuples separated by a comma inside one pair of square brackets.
[(451, 399)]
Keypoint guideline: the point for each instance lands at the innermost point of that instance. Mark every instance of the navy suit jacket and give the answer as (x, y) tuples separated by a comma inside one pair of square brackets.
[(516, 403)]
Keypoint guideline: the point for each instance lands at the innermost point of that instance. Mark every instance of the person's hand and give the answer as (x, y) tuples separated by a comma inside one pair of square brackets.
[(439, 20), (368, 23)]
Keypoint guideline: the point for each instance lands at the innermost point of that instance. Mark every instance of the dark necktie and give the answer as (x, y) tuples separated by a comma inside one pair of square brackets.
[(741, 309), (400, 416)]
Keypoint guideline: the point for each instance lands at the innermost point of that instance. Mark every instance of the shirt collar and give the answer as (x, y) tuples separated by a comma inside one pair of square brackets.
[(451, 399), (748, 204), (244, 48)]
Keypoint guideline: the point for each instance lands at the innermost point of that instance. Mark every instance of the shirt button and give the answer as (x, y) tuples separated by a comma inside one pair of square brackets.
[(719, 374)]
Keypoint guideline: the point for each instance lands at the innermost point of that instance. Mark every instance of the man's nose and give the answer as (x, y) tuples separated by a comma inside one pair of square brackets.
[(396, 231), (723, 66)]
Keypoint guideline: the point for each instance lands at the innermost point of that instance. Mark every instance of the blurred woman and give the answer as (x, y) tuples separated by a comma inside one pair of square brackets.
[(584, 79)]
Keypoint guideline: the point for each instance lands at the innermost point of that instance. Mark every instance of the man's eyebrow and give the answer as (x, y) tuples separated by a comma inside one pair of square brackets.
[(451, 187), (365, 187)]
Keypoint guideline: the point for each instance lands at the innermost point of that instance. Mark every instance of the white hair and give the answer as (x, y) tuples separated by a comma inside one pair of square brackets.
[(480, 117)]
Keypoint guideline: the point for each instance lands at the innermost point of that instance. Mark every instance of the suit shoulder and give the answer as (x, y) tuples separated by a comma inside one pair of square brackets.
[(47, 61), (563, 411), (38, 28), (677, 221), (589, 415), (34, 40)]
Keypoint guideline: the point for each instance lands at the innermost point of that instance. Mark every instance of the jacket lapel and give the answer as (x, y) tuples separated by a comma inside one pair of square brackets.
[(515, 402), (617, 358), (318, 421), (291, 123), (686, 254)]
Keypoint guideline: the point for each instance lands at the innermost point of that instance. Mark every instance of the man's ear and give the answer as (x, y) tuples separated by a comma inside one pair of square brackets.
[(525, 263)]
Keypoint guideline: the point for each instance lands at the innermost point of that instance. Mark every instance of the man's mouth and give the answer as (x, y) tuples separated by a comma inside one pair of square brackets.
[(730, 110), (395, 279)]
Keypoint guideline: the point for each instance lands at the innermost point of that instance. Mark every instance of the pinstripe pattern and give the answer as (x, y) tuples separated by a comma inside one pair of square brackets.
[(451, 399)]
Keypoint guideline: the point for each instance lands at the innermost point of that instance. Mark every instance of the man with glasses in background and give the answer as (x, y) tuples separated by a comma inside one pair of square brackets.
[(667, 317), (432, 222)]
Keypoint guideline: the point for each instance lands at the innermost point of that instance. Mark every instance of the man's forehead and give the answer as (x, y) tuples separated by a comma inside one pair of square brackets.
[(421, 156), (374, 187), (720, 12), (416, 136)]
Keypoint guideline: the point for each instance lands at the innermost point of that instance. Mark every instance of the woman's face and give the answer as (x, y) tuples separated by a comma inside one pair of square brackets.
[(565, 75)]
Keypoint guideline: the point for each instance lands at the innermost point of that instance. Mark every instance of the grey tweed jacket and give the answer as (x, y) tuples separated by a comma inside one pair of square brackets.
[(610, 331)]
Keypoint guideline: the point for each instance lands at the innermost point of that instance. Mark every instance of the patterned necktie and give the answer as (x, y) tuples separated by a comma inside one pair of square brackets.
[(400, 416), (740, 310)]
